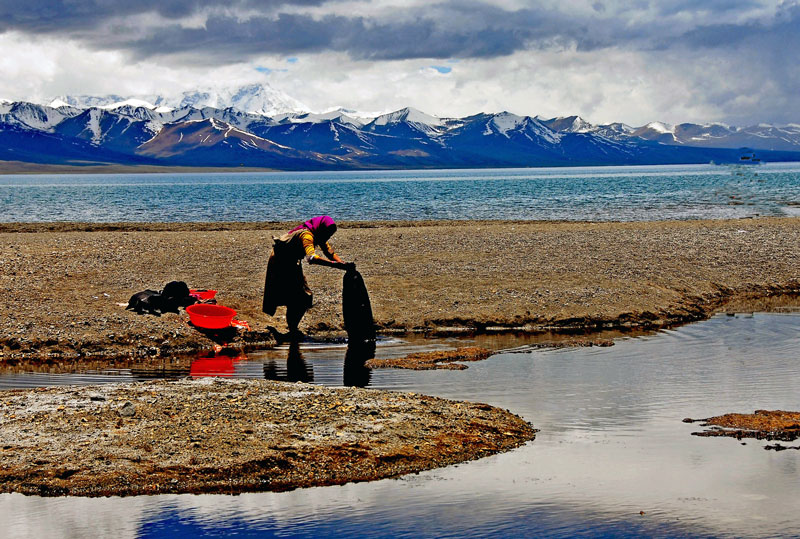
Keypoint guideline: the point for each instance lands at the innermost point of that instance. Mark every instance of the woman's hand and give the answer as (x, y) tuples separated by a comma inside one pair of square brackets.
[(338, 264)]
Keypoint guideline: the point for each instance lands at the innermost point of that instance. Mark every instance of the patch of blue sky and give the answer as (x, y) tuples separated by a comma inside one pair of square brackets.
[(292, 60), (268, 70), (443, 69)]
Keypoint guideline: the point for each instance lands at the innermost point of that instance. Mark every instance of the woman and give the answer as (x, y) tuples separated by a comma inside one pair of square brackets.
[(285, 283)]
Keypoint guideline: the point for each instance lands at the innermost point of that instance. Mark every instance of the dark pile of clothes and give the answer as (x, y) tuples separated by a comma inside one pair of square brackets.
[(174, 295)]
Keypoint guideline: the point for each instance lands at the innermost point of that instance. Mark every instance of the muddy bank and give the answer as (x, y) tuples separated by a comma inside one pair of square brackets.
[(232, 436), (761, 425), (63, 282), (438, 359)]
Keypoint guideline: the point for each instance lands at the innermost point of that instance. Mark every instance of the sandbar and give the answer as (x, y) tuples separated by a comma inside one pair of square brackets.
[(231, 436)]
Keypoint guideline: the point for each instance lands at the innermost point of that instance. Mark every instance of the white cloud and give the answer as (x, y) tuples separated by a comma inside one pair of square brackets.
[(601, 86)]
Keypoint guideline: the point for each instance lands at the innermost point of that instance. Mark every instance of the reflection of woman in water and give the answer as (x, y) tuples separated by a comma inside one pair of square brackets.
[(297, 370), (285, 283), (355, 373)]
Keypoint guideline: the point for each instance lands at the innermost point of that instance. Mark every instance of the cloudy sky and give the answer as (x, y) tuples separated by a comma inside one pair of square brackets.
[(731, 61)]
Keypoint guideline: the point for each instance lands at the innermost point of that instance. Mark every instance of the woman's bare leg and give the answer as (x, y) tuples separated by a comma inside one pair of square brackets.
[(293, 316)]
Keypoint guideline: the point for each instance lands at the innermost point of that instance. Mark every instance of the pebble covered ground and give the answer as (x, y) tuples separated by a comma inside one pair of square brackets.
[(232, 436), (63, 283)]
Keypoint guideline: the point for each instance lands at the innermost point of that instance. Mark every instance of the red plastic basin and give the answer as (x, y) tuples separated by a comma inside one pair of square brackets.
[(203, 295), (210, 316)]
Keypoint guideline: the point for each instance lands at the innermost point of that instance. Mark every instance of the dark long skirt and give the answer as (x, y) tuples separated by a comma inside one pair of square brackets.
[(285, 284)]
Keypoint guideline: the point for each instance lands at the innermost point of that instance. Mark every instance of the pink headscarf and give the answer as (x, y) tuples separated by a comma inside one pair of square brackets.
[(315, 224)]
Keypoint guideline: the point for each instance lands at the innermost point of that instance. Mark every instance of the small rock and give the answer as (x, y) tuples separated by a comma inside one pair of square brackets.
[(97, 397), (127, 409)]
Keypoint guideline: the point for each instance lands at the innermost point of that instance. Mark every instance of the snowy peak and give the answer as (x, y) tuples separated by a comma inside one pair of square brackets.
[(660, 127), (657, 131), (33, 116), (255, 98), (568, 124), (264, 99), (408, 122), (57, 104), (507, 125), (701, 133), (790, 129), (613, 131), (408, 115), (336, 115), (86, 101), (130, 103), (504, 122), (619, 127)]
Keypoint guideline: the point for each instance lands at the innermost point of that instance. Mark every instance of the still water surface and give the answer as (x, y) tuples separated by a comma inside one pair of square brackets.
[(632, 193), (611, 445)]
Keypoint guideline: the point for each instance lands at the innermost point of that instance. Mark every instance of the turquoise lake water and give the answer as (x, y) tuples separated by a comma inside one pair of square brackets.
[(582, 193)]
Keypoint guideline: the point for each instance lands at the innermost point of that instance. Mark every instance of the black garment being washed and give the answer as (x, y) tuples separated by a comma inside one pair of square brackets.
[(356, 308)]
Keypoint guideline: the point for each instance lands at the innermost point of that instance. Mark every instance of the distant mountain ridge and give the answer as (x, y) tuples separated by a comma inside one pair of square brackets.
[(257, 126)]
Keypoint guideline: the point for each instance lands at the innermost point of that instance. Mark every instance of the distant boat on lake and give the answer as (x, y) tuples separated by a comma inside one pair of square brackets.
[(749, 158)]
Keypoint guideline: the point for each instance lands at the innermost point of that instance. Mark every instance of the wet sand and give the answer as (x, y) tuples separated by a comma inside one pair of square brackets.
[(63, 282), (233, 436)]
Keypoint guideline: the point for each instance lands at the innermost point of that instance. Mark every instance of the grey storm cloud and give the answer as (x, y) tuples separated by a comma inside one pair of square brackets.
[(65, 16), (783, 31), (236, 30), (228, 37)]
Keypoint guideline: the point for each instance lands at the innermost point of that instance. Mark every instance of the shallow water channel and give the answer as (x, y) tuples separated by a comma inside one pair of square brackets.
[(612, 456)]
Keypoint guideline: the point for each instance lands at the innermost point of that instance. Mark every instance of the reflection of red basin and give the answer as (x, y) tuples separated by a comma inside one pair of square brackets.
[(211, 366)]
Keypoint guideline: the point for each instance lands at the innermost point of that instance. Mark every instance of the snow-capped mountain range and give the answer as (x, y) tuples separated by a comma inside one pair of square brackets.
[(258, 126), (256, 98)]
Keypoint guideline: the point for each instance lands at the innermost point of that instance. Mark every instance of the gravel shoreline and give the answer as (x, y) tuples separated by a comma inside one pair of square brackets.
[(233, 436), (63, 282)]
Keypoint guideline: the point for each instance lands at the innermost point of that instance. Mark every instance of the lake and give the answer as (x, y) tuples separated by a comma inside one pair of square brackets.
[(612, 456), (583, 193)]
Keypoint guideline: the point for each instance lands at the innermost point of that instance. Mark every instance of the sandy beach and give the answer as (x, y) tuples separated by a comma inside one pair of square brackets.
[(63, 283)]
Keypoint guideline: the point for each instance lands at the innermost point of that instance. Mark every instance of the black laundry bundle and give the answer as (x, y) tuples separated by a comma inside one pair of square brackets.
[(174, 295), (357, 309)]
